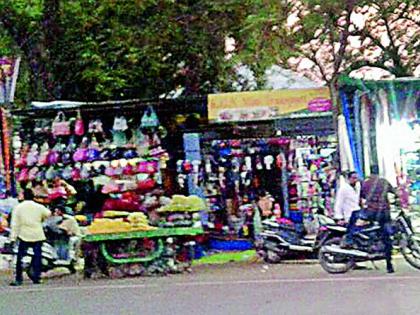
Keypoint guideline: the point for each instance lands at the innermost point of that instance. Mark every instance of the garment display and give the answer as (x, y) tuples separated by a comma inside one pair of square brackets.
[(240, 174)]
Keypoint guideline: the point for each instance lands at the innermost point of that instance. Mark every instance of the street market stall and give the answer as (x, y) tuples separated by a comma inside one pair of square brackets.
[(381, 129), (264, 154), (109, 168)]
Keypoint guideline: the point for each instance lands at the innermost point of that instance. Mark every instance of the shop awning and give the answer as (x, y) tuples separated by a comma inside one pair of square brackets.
[(264, 105)]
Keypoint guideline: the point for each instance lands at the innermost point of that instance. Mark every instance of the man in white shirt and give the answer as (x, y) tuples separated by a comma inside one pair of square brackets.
[(26, 227), (347, 198)]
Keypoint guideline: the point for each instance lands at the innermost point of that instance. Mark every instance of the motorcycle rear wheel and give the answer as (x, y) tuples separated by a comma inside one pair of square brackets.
[(342, 266), (411, 251)]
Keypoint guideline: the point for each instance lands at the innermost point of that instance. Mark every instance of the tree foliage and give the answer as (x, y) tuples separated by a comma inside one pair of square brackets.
[(95, 50), (324, 38), (105, 49)]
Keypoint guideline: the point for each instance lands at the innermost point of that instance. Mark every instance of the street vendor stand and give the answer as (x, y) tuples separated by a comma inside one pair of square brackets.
[(164, 250)]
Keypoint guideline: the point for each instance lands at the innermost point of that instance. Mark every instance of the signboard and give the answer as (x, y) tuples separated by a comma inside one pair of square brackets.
[(262, 105), (9, 69)]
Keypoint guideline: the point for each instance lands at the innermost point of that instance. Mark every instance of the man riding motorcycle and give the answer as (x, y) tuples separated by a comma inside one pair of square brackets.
[(376, 207)]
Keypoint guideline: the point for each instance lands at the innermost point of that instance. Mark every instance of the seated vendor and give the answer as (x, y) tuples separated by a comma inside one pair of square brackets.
[(59, 228), (60, 220)]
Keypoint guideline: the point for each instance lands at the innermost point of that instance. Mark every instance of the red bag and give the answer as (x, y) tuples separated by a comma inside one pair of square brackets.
[(79, 127)]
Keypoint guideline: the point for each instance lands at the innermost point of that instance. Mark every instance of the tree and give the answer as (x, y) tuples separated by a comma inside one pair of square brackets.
[(94, 50), (380, 34)]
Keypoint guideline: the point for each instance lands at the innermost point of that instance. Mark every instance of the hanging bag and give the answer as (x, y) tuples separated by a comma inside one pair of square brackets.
[(60, 127), (149, 119), (120, 124), (79, 127)]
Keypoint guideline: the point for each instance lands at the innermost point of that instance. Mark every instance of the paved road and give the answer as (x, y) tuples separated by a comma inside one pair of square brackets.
[(229, 289)]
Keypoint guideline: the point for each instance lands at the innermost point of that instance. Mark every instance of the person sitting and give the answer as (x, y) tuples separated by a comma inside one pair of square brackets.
[(347, 199), (60, 227)]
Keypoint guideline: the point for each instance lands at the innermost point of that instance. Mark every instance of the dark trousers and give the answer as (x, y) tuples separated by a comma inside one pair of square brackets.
[(383, 218), (35, 263)]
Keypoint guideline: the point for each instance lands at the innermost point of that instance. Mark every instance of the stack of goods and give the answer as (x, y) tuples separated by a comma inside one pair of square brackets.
[(182, 211), (132, 222), (124, 162)]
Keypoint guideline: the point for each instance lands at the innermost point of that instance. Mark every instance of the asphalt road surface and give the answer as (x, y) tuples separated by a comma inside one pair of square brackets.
[(251, 288)]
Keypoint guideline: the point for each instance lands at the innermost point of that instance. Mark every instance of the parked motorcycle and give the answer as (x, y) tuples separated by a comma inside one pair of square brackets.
[(281, 240), (368, 246), (50, 255)]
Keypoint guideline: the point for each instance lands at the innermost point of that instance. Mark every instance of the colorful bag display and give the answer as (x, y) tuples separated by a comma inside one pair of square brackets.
[(60, 127)]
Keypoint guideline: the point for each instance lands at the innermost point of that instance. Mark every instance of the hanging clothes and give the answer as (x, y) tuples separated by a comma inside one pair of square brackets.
[(365, 124), (358, 130), (346, 157), (387, 144)]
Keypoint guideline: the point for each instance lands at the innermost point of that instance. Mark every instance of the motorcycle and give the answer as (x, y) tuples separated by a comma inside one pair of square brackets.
[(278, 240), (52, 255), (368, 246)]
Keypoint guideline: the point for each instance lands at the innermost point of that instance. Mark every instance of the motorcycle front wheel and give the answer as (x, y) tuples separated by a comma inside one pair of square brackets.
[(410, 249), (333, 262)]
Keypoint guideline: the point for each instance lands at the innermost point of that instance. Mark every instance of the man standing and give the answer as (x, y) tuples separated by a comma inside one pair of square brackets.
[(347, 198), (374, 195), (26, 227)]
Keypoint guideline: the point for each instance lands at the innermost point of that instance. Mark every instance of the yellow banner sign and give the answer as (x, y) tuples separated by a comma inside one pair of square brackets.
[(261, 105)]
